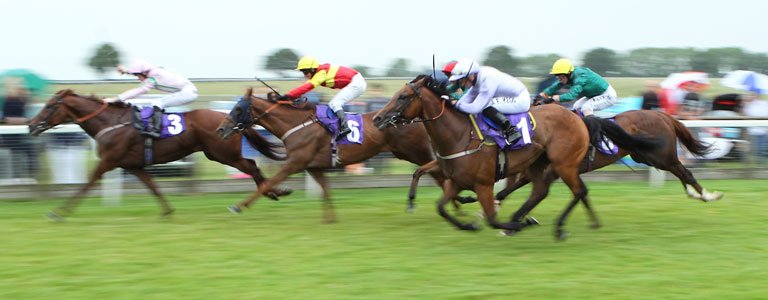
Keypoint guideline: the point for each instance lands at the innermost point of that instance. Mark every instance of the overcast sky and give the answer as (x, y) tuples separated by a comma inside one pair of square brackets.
[(230, 38)]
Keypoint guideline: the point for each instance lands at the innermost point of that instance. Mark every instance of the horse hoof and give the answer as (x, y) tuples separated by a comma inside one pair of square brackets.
[(508, 232), (53, 216), (709, 197), (284, 192), (561, 235), (470, 227), (410, 209), (596, 226), (233, 208), (465, 200), (272, 195), (530, 221)]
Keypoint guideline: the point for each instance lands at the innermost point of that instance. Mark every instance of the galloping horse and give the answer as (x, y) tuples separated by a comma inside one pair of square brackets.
[(648, 123), (560, 138), (120, 145), (308, 143), (635, 122)]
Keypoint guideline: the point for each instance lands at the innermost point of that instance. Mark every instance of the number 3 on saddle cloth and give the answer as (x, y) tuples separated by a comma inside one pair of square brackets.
[(172, 123), (331, 123)]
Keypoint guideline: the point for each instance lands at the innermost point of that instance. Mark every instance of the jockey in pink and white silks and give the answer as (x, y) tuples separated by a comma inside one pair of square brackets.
[(492, 92), (182, 91)]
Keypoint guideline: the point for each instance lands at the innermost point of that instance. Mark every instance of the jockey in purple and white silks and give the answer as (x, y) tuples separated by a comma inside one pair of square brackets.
[(491, 92)]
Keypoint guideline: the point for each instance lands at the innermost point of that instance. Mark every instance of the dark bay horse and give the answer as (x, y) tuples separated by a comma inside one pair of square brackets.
[(561, 141), (307, 143), (120, 145), (648, 123)]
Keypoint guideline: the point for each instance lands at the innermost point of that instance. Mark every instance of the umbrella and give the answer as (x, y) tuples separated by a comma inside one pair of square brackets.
[(746, 80), (35, 83), (675, 80)]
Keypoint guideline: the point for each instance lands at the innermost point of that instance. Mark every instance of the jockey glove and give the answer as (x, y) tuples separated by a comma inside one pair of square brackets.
[(283, 97)]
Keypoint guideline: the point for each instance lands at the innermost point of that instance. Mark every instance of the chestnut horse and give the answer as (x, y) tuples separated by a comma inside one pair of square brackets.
[(307, 143), (560, 139), (120, 145)]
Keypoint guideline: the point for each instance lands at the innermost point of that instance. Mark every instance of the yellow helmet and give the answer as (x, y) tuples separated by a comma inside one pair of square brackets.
[(562, 66), (307, 62)]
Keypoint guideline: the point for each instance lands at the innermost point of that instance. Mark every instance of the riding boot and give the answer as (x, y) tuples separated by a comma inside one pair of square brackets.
[(510, 132), (155, 123), (343, 127)]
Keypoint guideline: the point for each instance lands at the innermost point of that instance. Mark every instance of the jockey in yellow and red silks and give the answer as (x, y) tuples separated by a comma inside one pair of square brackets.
[(351, 83)]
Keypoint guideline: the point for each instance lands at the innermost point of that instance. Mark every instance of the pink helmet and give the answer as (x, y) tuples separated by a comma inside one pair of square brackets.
[(138, 66)]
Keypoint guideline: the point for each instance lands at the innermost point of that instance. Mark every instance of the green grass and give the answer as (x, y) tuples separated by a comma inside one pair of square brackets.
[(655, 244)]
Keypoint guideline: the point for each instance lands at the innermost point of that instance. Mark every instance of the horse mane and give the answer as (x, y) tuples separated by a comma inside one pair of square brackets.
[(431, 84), (71, 93)]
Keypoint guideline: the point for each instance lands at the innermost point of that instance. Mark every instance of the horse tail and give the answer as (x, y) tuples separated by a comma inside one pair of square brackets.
[(599, 127), (259, 142), (686, 138)]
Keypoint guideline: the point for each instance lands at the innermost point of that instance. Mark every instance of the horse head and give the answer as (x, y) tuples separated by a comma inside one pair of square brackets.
[(406, 105), (64, 107), (239, 117)]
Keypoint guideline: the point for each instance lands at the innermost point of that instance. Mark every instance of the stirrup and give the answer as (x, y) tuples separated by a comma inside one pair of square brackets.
[(513, 137), (342, 134)]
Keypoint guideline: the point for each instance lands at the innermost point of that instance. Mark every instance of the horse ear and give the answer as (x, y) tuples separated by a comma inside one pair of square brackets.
[(248, 93), (272, 96)]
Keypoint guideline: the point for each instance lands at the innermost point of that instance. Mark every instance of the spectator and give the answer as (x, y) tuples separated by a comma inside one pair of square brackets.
[(651, 96), (754, 107), (692, 106), (728, 102), (23, 150)]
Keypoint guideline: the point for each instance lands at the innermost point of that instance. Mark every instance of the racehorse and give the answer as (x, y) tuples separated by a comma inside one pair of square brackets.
[(120, 145), (307, 143), (560, 139), (648, 123), (635, 122)]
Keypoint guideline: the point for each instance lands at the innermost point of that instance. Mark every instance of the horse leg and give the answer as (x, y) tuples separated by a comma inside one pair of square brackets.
[(434, 170), (539, 191), (691, 186), (147, 180), (420, 171), (450, 190), (248, 166), (329, 214), (513, 183), (58, 214), (288, 168), (579, 191)]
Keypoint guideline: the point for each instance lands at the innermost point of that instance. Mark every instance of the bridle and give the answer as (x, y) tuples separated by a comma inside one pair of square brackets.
[(54, 107), (404, 100), (245, 119)]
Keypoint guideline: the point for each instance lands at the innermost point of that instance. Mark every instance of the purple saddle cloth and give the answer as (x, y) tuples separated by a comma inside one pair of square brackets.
[(354, 122), (173, 123)]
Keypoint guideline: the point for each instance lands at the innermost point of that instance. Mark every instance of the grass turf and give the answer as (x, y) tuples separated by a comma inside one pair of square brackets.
[(655, 244)]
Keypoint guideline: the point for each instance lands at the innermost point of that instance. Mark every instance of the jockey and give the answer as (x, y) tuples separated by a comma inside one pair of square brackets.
[(453, 88), (351, 83), (491, 92), (181, 90), (593, 92)]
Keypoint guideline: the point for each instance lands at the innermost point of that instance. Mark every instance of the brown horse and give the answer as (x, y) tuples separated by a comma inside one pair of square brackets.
[(307, 143), (561, 140), (634, 122), (120, 145), (648, 123)]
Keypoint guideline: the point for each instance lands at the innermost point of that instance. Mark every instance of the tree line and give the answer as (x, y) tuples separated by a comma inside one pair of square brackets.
[(641, 62)]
